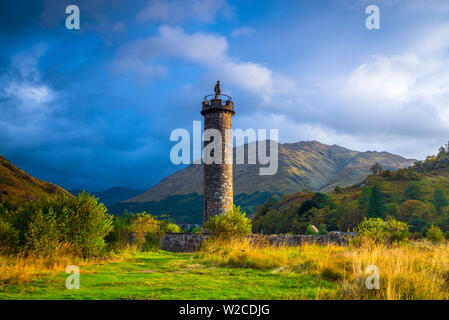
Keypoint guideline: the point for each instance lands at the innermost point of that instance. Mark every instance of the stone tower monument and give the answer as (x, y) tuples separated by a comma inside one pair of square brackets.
[(217, 177)]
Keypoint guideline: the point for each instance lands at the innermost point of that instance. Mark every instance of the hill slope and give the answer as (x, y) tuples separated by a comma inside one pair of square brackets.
[(16, 186), (307, 164)]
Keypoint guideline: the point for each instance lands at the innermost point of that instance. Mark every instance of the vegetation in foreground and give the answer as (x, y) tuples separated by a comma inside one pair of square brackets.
[(230, 266), (120, 256), (241, 270)]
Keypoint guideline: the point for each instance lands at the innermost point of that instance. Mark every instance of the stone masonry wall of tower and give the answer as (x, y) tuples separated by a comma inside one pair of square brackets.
[(217, 178)]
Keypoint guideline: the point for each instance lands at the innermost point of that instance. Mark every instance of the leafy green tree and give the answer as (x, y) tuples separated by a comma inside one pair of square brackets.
[(364, 199), (47, 225), (412, 191), (417, 224), (439, 200), (376, 205), (441, 153), (268, 222), (376, 169), (392, 210), (320, 199), (410, 207), (350, 218), (306, 206)]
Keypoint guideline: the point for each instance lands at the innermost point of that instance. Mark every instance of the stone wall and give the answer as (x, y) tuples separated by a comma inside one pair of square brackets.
[(182, 242), (190, 242)]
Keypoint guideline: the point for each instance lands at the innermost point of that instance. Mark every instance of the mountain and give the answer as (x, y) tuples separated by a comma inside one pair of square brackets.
[(112, 195), (16, 186), (303, 165), (306, 164)]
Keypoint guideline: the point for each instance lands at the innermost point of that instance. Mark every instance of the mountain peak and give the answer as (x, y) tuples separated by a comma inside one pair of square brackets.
[(304, 164)]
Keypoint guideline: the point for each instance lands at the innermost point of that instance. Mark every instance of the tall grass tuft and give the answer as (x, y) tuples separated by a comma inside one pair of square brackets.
[(415, 271)]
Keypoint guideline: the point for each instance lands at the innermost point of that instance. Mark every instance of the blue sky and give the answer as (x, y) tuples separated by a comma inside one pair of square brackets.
[(93, 108)]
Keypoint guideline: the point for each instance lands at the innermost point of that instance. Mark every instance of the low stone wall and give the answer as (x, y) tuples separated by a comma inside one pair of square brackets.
[(190, 242), (182, 242)]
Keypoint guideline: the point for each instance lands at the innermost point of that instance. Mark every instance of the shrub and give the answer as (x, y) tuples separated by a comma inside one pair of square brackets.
[(147, 231), (120, 236), (435, 234), (45, 225), (232, 225), (87, 223), (9, 237), (310, 230), (170, 227), (381, 232), (44, 233)]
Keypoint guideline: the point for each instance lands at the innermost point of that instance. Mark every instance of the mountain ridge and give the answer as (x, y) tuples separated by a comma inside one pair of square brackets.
[(302, 165)]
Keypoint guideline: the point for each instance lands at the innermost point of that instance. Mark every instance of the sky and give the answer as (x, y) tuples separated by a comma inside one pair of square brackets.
[(94, 108)]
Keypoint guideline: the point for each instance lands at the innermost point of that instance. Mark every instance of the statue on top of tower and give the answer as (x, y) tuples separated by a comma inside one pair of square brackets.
[(217, 90)]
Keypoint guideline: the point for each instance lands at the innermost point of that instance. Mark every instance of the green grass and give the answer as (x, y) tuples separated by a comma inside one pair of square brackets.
[(165, 275)]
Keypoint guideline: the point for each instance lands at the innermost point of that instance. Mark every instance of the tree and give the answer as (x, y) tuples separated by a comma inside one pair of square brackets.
[(350, 219), (392, 210), (439, 200), (376, 205), (376, 169), (417, 224), (306, 206), (441, 153), (364, 199), (421, 209), (320, 199), (412, 191)]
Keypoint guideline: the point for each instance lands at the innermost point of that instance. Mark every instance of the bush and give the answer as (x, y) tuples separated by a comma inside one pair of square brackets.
[(435, 234), (232, 225), (147, 231), (9, 237), (381, 232), (310, 230), (169, 227), (46, 225)]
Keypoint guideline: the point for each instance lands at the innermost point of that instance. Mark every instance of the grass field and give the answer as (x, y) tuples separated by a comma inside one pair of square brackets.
[(241, 270), (165, 275)]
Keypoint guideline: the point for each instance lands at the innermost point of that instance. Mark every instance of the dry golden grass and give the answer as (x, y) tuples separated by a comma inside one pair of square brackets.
[(21, 268), (410, 271)]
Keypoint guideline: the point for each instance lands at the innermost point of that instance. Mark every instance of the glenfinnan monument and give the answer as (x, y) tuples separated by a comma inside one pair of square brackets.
[(217, 177)]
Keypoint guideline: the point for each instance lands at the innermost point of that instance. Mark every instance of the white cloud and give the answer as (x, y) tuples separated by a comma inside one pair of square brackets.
[(398, 102), (26, 101), (208, 50), (175, 11), (22, 83)]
